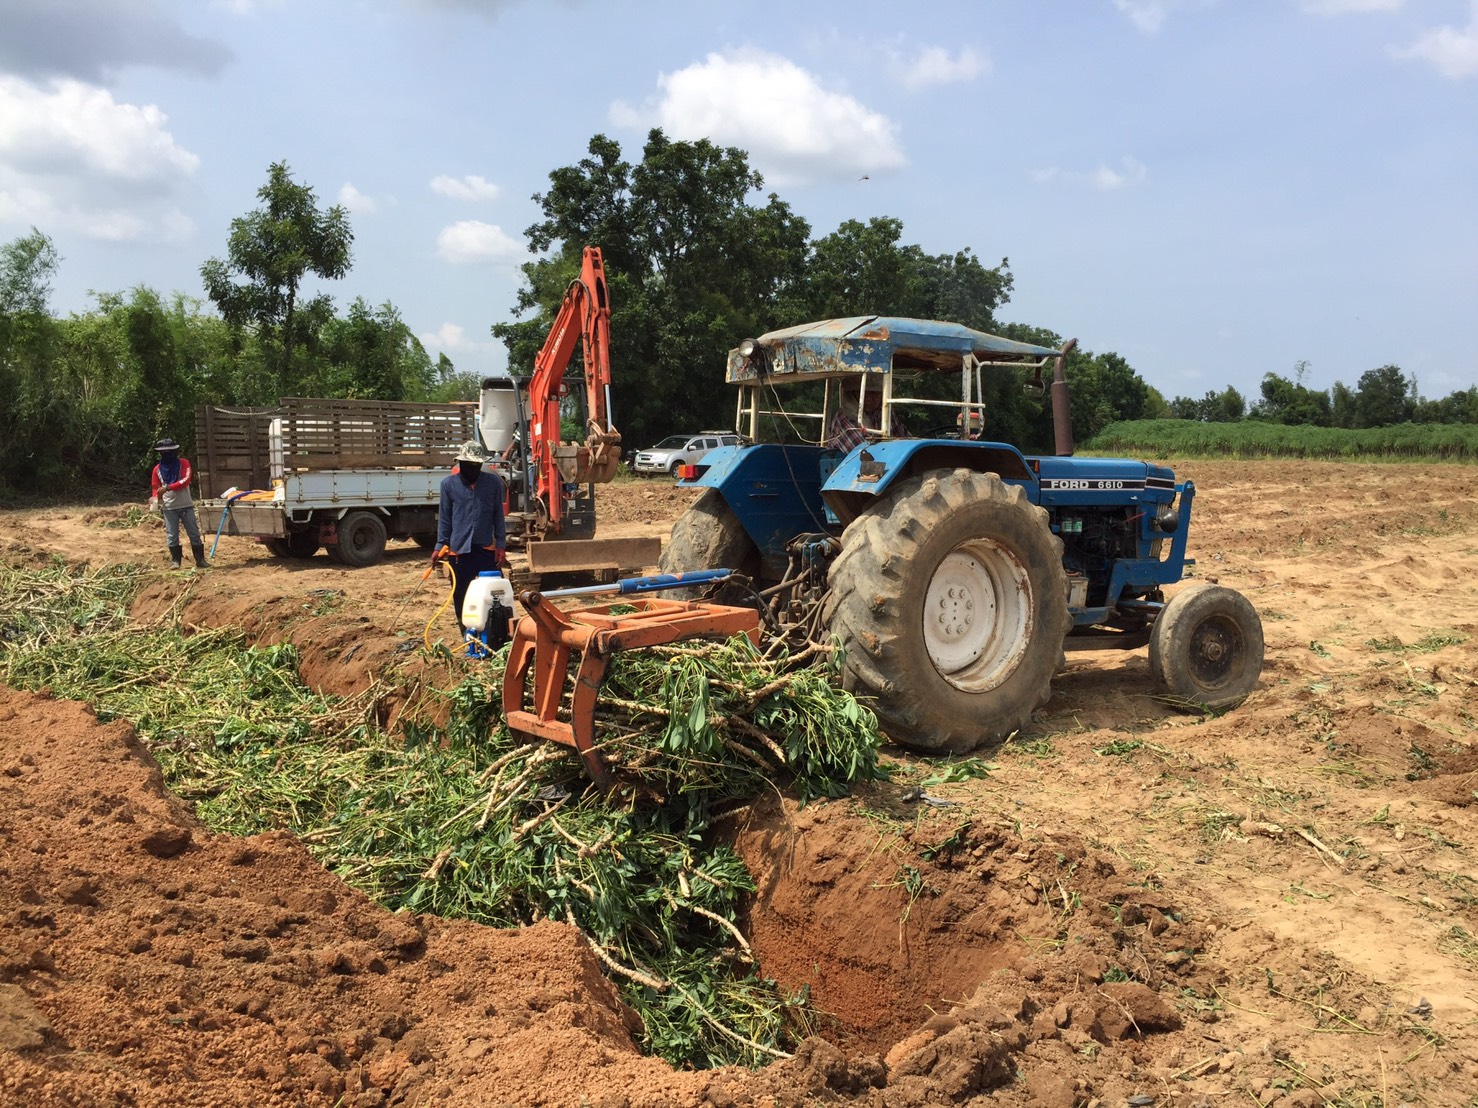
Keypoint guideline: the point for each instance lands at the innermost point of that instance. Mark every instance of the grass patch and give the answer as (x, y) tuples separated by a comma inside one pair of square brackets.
[(1427, 644)]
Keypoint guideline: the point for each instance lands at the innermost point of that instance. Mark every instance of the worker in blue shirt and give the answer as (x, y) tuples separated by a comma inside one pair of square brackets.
[(470, 531)]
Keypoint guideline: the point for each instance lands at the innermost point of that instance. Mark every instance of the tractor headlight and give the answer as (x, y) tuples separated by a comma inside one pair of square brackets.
[(1167, 519)]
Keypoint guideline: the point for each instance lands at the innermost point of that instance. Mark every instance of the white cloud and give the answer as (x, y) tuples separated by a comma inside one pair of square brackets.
[(356, 201), (470, 187), (472, 241), (73, 158), (1147, 15), (72, 126), (1348, 7), (935, 65), (1130, 171), (451, 338), (1450, 51), (1150, 15), (794, 129)]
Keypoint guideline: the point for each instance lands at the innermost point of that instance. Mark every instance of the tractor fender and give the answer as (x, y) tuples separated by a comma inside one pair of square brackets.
[(869, 471)]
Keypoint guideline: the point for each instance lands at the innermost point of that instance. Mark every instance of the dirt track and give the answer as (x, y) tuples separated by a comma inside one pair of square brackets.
[(1277, 905)]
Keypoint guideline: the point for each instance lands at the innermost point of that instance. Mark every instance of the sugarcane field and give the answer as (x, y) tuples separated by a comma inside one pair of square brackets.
[(268, 840)]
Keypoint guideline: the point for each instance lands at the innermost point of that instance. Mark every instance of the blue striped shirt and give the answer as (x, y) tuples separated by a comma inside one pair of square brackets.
[(471, 516)]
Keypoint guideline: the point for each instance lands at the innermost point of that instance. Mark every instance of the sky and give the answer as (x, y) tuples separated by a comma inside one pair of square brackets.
[(1213, 189)]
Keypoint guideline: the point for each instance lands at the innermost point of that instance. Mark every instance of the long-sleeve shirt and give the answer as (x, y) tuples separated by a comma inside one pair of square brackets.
[(845, 432), (174, 495), (471, 515)]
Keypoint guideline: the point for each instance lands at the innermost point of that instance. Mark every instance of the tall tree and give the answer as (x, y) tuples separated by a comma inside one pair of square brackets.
[(1384, 396), (31, 403), (272, 250), (1288, 402), (691, 266)]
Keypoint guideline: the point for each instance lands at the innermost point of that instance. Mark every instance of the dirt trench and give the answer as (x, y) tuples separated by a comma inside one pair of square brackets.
[(1276, 905)]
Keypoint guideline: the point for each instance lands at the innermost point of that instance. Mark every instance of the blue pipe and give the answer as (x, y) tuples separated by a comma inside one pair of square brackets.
[(655, 583), (225, 515)]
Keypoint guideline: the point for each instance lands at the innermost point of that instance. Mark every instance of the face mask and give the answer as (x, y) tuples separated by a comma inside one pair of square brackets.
[(468, 471)]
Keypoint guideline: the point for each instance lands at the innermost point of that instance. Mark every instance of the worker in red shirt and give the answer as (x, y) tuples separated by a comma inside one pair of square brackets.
[(171, 495)]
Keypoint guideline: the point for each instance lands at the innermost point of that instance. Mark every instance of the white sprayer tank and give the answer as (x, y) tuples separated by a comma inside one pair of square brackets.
[(487, 589), (497, 413)]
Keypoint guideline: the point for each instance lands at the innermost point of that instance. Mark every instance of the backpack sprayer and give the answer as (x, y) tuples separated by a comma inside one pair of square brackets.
[(487, 612)]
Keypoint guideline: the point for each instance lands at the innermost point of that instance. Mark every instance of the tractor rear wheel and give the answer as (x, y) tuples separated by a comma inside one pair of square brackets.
[(362, 539), (1206, 647), (950, 601), (709, 536)]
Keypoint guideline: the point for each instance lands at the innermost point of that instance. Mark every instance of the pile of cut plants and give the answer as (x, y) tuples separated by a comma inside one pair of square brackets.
[(465, 820)]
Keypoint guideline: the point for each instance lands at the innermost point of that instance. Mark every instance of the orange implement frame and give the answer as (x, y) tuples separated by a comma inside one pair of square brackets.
[(546, 637)]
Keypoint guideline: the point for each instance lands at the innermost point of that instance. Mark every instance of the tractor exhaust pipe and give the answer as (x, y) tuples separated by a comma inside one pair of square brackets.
[(1062, 409)]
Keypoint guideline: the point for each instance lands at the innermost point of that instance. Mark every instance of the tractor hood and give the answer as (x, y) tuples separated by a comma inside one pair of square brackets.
[(859, 344)]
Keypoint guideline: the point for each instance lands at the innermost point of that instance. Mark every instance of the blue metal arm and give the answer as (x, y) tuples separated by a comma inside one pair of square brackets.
[(656, 583)]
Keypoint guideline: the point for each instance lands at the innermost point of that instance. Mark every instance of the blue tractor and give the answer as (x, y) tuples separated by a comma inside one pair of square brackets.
[(950, 569)]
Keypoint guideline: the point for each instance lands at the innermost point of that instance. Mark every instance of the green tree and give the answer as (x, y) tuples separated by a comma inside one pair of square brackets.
[(1384, 396), (863, 269), (1342, 405), (1105, 389), (1458, 407), (691, 267), (1287, 402), (373, 355), (269, 253), (1226, 406), (33, 408)]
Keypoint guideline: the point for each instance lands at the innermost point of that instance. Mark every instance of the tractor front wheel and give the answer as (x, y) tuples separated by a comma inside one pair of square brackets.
[(709, 536), (1206, 647), (950, 602)]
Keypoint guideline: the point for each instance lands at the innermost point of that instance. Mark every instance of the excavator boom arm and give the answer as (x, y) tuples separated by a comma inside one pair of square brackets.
[(584, 317)]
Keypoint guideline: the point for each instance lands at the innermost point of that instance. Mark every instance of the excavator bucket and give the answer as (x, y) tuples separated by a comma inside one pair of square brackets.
[(547, 639)]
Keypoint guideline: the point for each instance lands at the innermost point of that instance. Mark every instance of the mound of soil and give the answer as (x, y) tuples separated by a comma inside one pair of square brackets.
[(144, 961)]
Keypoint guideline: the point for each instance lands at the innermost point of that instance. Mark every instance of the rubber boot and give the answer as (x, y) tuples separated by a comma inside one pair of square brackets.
[(174, 555), (198, 549)]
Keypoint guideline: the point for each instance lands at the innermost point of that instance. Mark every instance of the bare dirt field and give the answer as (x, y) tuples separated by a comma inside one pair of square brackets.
[(1131, 907)]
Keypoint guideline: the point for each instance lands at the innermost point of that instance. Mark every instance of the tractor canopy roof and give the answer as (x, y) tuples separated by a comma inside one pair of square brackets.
[(872, 344)]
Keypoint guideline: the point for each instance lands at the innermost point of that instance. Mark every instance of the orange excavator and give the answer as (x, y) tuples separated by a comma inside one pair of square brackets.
[(551, 482), (584, 316)]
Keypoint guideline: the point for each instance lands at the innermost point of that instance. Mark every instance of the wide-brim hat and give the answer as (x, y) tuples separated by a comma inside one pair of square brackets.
[(472, 451), (166, 444)]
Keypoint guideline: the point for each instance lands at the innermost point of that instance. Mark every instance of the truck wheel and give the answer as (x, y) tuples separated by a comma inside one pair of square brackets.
[(361, 539), (424, 539), (1206, 647), (950, 601), (302, 544), (709, 536)]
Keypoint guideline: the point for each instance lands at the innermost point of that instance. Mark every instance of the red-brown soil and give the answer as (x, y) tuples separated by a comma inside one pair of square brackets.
[(1277, 905)]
